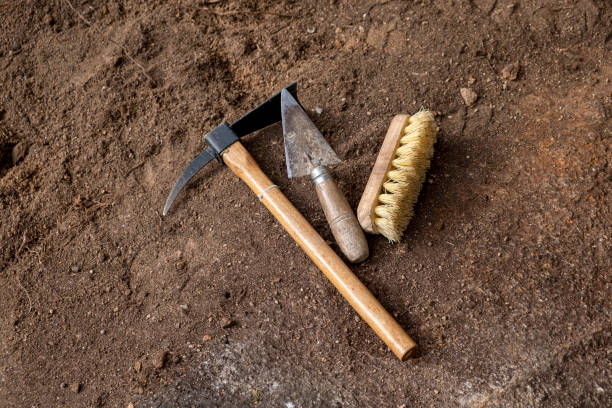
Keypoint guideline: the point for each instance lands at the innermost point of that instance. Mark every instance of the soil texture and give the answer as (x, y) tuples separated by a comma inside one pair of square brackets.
[(503, 277)]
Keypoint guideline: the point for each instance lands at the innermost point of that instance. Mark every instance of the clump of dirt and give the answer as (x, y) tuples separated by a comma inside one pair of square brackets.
[(503, 275)]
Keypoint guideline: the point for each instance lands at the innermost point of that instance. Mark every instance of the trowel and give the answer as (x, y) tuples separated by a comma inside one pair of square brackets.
[(308, 153)]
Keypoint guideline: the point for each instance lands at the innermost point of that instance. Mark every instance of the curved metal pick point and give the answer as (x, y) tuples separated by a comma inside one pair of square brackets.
[(196, 164)]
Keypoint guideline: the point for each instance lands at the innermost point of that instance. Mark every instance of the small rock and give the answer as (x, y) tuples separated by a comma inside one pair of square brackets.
[(311, 30), (184, 307), (130, 405), (19, 152), (469, 96), (63, 385), (318, 110), (180, 265), (510, 71), (206, 337), (75, 387), (159, 359), (75, 268), (227, 323), (48, 19), (137, 366)]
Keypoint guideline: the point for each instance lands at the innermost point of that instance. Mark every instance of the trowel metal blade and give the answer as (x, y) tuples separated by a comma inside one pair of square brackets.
[(305, 147)]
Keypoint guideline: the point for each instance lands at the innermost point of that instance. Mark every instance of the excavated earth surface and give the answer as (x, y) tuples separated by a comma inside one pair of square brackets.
[(503, 277)]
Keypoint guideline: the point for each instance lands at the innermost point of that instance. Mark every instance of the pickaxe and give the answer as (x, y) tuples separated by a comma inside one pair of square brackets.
[(223, 143)]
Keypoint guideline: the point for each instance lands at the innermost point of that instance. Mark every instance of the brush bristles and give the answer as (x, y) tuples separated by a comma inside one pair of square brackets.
[(405, 177)]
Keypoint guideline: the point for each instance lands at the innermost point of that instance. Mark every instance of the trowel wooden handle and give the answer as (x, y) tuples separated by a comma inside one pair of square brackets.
[(340, 216), (237, 158)]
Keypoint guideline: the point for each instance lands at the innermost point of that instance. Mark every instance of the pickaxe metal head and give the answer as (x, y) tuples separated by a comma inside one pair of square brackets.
[(224, 135)]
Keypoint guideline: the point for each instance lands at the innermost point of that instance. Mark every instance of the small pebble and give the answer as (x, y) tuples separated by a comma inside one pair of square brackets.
[(63, 385), (227, 323), (510, 71), (137, 366), (159, 359), (19, 152), (75, 387), (48, 19), (75, 268), (206, 337), (469, 96)]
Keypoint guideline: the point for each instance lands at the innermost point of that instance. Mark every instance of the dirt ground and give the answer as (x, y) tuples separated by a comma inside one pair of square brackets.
[(503, 277)]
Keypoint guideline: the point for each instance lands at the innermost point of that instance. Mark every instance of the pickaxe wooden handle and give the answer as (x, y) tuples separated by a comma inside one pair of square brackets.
[(237, 158)]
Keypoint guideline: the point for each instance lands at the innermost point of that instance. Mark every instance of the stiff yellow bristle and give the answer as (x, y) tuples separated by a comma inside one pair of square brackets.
[(405, 177)]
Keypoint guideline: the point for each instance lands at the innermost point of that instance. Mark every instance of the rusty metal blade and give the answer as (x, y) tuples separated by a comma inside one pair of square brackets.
[(305, 146)]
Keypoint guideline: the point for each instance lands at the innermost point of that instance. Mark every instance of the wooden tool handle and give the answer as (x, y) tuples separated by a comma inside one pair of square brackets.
[(340, 216), (237, 158), (369, 198)]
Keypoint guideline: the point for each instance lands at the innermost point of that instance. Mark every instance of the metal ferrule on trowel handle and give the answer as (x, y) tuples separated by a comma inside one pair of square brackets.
[(223, 143)]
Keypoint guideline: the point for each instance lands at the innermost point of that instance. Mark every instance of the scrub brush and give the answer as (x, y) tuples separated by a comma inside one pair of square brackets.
[(398, 174)]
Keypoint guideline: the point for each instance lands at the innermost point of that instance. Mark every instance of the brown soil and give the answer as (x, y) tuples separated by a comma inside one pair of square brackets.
[(503, 277)]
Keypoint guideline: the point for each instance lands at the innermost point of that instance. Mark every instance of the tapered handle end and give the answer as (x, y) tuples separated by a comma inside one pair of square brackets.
[(342, 221)]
